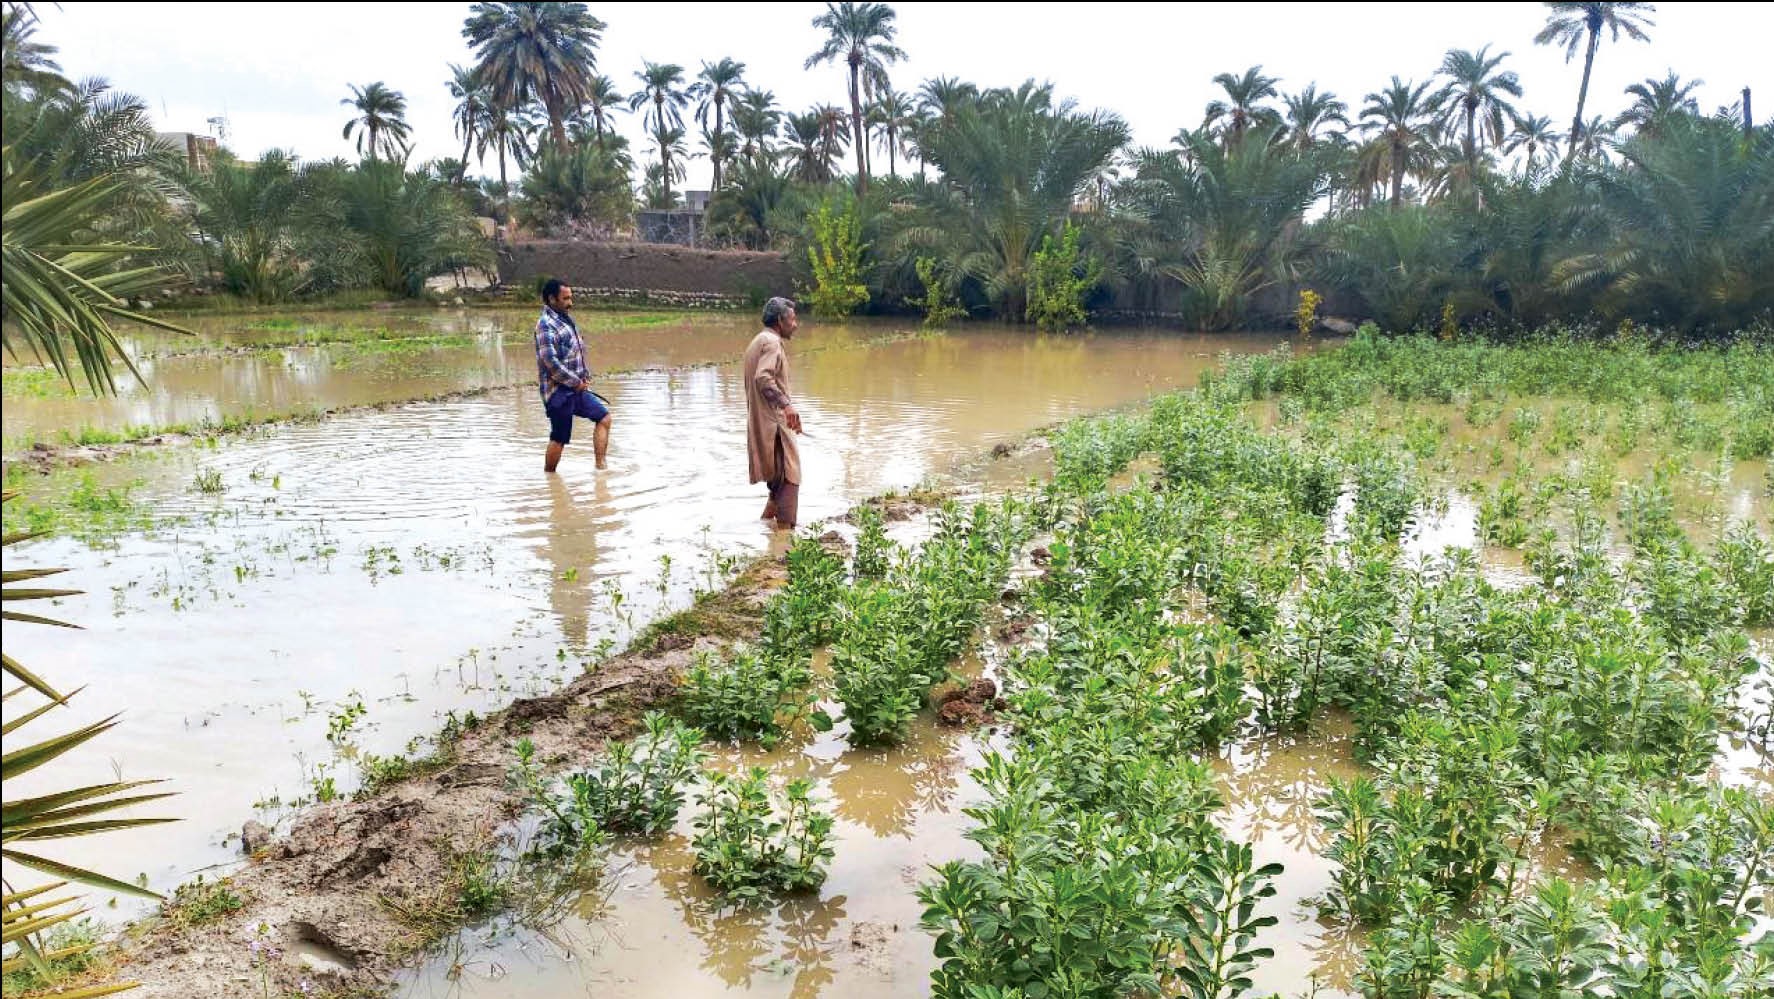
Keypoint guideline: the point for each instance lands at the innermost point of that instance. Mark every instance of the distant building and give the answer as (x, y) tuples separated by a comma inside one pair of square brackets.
[(697, 201), (674, 225), (199, 150)]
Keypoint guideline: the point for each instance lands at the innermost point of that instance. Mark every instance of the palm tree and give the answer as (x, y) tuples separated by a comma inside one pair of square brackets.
[(60, 288), (812, 165), (473, 98), (721, 147), (1475, 91), (249, 214), (381, 122), (939, 100), (715, 86), (1309, 112), (1400, 117), (508, 132), (756, 119), (862, 36), (832, 123), (545, 52), (1655, 102), (757, 206), (26, 66), (1581, 24), (1222, 221), (893, 111), (1015, 163), (1598, 139), (1243, 106), (601, 99), (1530, 133), (1687, 236), (664, 99), (944, 96)]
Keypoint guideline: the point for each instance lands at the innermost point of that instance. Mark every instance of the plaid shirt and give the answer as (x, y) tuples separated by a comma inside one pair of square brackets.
[(560, 354)]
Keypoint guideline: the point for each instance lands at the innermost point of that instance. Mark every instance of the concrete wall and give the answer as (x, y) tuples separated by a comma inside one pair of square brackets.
[(649, 272), (669, 226)]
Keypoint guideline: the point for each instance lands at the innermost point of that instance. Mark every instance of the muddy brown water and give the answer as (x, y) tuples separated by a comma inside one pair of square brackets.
[(415, 559)]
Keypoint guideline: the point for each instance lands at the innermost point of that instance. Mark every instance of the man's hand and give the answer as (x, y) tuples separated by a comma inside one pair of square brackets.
[(792, 418)]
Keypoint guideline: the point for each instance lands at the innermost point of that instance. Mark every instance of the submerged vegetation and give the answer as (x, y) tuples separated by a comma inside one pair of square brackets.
[(1268, 572), (1540, 712)]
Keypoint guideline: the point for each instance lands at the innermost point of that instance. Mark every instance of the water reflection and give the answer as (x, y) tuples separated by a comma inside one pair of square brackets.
[(571, 549)]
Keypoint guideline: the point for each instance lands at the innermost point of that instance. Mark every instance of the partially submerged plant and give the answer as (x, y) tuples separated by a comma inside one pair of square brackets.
[(750, 844)]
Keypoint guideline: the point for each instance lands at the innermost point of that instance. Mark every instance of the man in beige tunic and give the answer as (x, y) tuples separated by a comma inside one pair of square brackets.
[(771, 420)]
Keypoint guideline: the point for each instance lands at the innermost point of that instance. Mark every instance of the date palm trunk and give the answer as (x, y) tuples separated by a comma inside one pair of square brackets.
[(862, 168), (716, 151), (1595, 37), (1397, 173)]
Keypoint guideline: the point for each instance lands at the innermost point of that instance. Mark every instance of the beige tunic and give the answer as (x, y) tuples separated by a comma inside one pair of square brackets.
[(768, 442)]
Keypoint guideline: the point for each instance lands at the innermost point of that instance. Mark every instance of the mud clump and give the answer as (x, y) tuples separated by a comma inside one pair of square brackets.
[(254, 836), (527, 711), (671, 641), (1015, 630), (969, 706)]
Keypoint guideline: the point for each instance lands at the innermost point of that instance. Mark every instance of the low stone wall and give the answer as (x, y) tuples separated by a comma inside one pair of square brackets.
[(648, 273)]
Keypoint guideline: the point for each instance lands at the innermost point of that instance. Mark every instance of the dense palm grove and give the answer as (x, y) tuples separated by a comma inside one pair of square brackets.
[(1431, 202)]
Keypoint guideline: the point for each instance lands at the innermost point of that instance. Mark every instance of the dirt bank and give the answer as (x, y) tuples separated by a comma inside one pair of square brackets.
[(357, 886)]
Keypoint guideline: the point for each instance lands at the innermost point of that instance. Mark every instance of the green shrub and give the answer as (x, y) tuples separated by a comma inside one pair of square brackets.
[(637, 786), (835, 251), (744, 695), (1061, 277), (749, 845)]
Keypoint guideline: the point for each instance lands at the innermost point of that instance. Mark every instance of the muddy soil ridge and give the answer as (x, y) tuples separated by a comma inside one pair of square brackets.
[(364, 884)]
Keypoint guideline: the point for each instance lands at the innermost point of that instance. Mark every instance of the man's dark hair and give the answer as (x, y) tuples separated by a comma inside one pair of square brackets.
[(551, 289)]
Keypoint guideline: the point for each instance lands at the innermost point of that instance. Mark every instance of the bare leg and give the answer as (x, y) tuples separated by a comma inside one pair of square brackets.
[(554, 456), (600, 440)]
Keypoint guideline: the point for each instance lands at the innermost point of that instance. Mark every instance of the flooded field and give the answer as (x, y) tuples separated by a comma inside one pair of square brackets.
[(414, 560), (318, 594)]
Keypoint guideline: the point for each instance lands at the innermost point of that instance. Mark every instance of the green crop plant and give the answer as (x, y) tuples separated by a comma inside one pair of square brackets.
[(874, 552), (637, 786), (876, 669), (749, 844), (744, 695), (896, 637), (815, 576), (1745, 560)]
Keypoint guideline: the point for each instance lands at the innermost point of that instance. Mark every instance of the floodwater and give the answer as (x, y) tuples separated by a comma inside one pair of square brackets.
[(301, 365), (898, 813), (415, 559)]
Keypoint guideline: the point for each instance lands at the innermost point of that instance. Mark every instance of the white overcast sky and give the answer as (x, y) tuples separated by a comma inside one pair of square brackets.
[(277, 71)]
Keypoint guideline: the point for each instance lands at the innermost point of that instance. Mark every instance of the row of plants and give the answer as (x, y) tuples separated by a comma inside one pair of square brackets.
[(894, 629), (1259, 582)]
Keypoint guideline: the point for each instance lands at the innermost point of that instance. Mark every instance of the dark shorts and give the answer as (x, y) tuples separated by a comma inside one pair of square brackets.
[(563, 404)]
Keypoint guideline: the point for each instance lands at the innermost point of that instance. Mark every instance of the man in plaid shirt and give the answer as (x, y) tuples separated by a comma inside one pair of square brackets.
[(563, 378)]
